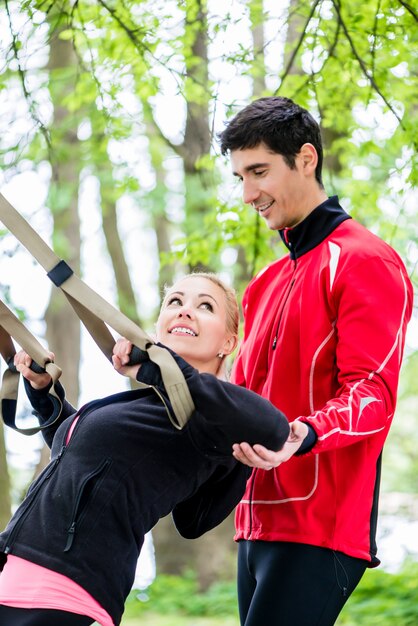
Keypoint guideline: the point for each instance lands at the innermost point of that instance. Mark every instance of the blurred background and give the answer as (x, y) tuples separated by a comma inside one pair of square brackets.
[(109, 111)]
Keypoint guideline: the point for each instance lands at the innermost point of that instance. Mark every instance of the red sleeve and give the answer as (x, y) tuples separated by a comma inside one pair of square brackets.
[(373, 302)]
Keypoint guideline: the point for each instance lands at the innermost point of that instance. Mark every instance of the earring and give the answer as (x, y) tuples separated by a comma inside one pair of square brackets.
[(220, 355)]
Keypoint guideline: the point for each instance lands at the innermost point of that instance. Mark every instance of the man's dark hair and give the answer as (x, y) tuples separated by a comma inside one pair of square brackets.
[(279, 123)]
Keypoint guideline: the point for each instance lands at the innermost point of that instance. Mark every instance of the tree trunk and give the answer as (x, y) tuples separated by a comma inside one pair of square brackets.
[(125, 291), (257, 34), (247, 259), (211, 556), (62, 324), (63, 327), (197, 138), (159, 198), (296, 24)]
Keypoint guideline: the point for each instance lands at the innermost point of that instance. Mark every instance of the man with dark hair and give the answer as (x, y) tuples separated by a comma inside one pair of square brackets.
[(324, 336)]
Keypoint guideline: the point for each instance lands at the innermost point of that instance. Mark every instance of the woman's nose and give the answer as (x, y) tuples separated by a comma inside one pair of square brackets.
[(185, 312)]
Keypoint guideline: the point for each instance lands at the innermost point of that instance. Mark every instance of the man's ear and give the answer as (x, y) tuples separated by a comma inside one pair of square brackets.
[(309, 158)]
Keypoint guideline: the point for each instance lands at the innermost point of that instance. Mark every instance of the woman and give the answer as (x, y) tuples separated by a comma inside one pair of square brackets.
[(118, 465)]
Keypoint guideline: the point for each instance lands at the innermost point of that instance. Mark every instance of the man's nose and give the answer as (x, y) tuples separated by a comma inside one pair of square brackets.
[(250, 192)]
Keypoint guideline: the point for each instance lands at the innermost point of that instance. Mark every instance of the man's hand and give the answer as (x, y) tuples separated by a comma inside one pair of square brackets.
[(263, 458), (121, 355), (22, 361)]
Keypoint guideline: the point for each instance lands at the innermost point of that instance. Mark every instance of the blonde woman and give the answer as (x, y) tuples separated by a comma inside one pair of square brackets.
[(118, 465)]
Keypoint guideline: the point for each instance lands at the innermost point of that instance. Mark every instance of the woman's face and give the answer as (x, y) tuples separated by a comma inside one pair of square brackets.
[(192, 322)]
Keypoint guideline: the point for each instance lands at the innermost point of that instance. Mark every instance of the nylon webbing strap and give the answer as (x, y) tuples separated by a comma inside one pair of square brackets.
[(11, 326), (95, 312)]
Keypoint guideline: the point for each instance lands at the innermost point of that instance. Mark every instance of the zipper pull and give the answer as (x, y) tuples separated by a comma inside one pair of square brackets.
[(273, 347), (70, 537)]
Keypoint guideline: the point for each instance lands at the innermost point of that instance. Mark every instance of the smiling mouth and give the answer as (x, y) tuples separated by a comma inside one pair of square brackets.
[(182, 330), (264, 206)]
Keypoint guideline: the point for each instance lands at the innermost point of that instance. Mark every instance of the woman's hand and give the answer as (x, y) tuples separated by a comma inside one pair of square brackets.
[(22, 361), (121, 355), (261, 457)]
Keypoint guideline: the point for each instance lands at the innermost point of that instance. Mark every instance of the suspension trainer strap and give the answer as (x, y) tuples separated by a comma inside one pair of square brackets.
[(11, 326), (95, 313)]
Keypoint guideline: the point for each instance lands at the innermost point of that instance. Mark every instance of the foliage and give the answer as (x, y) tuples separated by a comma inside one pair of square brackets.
[(181, 595), (381, 598), (400, 463), (160, 619), (137, 80), (353, 65)]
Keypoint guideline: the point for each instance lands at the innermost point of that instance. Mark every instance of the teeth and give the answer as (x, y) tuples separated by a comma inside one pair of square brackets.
[(263, 207), (181, 329)]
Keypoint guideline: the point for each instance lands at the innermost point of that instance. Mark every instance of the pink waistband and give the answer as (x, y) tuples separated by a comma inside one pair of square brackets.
[(25, 585)]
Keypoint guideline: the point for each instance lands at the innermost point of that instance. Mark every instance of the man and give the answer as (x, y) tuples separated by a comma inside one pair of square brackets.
[(324, 336)]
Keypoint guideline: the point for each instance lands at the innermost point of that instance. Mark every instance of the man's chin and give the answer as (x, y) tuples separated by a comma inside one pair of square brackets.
[(272, 225)]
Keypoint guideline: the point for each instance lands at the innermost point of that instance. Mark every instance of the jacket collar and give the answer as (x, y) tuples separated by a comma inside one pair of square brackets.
[(315, 227)]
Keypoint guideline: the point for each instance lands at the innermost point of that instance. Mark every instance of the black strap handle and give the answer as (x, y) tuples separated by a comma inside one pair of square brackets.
[(34, 366), (137, 356)]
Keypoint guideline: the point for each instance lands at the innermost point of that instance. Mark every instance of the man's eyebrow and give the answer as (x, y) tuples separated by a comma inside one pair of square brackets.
[(253, 166)]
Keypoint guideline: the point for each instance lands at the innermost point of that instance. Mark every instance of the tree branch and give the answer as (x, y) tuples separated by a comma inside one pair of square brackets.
[(409, 9), (129, 31), (152, 122), (373, 51), (298, 45), (22, 77), (363, 66), (92, 61), (139, 44)]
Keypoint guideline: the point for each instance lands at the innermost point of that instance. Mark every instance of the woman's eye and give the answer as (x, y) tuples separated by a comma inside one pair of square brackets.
[(174, 300), (207, 306)]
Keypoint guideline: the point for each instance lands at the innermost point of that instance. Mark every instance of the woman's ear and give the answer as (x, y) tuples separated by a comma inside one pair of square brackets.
[(229, 345)]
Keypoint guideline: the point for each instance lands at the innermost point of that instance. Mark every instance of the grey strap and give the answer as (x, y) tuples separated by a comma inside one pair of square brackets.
[(95, 313)]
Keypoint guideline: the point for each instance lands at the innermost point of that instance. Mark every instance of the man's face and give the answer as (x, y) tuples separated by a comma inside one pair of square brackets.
[(279, 194)]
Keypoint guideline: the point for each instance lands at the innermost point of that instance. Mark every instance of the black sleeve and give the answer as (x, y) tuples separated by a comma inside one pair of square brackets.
[(225, 413), (212, 502), (45, 406), (309, 441)]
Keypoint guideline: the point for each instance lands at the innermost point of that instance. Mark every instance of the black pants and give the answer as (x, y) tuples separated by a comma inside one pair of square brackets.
[(290, 584), (12, 616)]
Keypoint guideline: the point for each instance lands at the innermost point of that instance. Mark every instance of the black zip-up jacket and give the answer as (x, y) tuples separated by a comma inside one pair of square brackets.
[(125, 467)]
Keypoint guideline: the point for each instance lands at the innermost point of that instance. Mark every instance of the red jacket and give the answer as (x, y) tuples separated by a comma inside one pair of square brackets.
[(323, 340)]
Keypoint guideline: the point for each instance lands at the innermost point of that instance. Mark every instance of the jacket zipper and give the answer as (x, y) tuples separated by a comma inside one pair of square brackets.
[(273, 347), (34, 491), (289, 290), (76, 513), (32, 495)]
